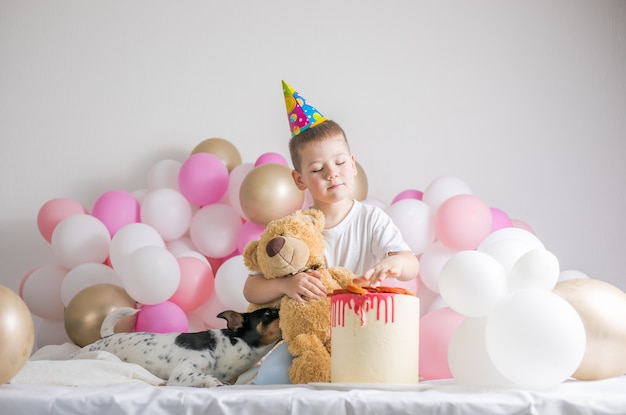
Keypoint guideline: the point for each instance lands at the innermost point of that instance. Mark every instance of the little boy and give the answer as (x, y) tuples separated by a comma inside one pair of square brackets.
[(358, 236)]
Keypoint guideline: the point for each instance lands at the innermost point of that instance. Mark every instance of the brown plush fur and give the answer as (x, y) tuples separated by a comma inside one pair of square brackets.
[(305, 327)]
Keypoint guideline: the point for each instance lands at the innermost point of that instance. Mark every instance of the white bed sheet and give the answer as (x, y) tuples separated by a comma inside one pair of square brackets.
[(606, 396)]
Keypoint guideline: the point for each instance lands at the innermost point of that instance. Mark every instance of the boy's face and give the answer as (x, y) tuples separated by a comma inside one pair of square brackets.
[(328, 170)]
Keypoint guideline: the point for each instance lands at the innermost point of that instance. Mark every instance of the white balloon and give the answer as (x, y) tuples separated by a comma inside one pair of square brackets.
[(151, 275), (50, 332), (571, 274), (180, 245), (86, 275), (167, 211), (538, 268), (79, 239), (535, 338), (235, 178), (164, 174), (128, 239), (517, 234), (437, 304), (507, 245), (507, 252), (431, 261), (414, 220), (468, 358), (42, 292), (229, 281), (443, 188), (472, 283), (214, 230)]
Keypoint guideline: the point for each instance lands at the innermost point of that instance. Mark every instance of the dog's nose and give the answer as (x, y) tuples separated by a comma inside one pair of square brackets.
[(274, 246)]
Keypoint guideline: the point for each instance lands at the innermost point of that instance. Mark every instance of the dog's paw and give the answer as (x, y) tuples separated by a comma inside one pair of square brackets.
[(185, 375), (194, 380)]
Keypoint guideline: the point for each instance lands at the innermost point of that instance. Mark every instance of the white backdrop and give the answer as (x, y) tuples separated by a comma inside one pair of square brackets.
[(524, 101)]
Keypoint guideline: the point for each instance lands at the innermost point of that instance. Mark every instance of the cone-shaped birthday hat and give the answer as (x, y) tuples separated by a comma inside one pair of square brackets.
[(302, 116)]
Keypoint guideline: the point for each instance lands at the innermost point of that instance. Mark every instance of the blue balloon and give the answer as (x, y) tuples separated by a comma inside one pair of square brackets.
[(274, 369)]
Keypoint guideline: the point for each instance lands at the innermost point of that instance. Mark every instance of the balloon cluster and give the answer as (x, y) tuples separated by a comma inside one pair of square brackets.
[(490, 316), (172, 249), (502, 313)]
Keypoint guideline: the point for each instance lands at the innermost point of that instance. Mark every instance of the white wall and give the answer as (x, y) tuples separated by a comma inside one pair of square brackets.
[(523, 100)]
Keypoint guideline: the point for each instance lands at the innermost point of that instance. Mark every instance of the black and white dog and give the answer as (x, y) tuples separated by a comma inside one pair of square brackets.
[(203, 359)]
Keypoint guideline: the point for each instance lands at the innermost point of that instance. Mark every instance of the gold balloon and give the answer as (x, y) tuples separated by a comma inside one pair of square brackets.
[(221, 148), (268, 192), (360, 184), (87, 309), (17, 334), (602, 308)]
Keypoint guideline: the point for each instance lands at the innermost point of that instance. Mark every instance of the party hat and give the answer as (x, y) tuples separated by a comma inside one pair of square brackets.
[(302, 116)]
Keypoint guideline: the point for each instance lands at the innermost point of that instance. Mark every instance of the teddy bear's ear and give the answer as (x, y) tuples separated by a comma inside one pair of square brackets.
[(315, 216), (250, 258)]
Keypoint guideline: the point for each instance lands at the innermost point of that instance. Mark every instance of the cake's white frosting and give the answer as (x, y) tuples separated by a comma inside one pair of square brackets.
[(375, 338)]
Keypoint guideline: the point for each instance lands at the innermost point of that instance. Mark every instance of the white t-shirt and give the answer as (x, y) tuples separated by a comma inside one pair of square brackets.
[(363, 238)]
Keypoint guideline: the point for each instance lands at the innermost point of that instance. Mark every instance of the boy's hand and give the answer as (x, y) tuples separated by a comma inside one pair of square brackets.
[(304, 286), (387, 268)]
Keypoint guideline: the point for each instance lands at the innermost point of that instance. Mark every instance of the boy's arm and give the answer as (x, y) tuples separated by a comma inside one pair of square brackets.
[(409, 264), (259, 290)]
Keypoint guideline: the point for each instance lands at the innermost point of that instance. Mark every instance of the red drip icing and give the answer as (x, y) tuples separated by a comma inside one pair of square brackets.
[(384, 304)]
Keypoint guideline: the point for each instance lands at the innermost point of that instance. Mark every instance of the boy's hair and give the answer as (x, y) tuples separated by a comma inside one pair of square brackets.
[(320, 132)]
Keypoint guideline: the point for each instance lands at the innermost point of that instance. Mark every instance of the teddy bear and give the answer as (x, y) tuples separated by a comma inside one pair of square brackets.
[(287, 246)]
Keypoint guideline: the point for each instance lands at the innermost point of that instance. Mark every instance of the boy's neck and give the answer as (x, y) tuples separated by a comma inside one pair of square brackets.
[(334, 213)]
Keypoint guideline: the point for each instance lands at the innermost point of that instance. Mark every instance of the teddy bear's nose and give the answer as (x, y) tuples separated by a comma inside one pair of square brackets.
[(274, 246)]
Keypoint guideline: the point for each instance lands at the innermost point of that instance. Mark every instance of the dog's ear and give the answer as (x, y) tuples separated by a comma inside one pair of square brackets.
[(234, 320)]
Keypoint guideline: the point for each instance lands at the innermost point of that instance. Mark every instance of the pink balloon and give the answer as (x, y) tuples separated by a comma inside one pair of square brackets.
[(165, 317), (516, 223), (54, 211), (196, 283), (208, 312), (116, 208), (203, 179), (436, 330), (408, 194), (462, 222), (308, 199), (499, 219), (270, 158), (249, 231), (195, 323), (426, 295), (216, 263)]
